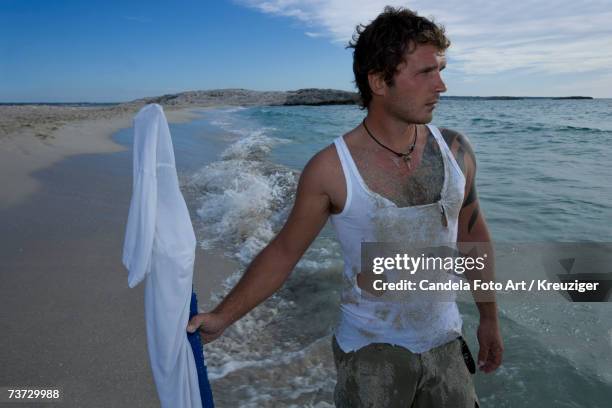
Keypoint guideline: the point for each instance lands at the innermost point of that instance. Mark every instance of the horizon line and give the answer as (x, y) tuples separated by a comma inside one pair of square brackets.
[(586, 97)]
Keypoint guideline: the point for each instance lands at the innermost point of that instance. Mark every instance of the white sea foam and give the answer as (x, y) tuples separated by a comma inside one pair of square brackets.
[(227, 120), (256, 146), (239, 203), (232, 365), (305, 375)]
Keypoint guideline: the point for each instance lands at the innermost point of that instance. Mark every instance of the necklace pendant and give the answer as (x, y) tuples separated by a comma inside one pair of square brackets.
[(407, 160)]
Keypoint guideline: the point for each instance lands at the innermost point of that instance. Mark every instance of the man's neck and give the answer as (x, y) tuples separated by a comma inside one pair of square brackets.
[(389, 130)]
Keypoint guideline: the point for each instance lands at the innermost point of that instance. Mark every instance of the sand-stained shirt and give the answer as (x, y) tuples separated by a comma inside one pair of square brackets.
[(419, 323)]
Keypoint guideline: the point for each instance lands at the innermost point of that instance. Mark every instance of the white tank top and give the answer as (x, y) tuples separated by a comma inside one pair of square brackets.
[(370, 217)]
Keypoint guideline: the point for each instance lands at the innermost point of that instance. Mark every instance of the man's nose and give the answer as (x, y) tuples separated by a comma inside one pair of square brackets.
[(440, 85)]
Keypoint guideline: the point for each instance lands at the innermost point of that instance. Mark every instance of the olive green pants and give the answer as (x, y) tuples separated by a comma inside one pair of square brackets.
[(381, 375)]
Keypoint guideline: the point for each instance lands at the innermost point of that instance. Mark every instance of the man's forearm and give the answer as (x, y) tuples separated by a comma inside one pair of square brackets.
[(485, 299), (487, 310), (264, 276)]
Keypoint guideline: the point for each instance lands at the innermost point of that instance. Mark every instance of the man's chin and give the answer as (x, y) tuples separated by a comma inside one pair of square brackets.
[(425, 119)]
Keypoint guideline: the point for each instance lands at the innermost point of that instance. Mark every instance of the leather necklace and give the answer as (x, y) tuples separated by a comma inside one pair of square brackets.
[(404, 156)]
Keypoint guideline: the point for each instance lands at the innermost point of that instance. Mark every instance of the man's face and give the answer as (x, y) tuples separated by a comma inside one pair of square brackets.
[(417, 85)]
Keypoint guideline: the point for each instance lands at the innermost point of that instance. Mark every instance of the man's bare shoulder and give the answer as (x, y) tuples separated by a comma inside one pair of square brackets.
[(452, 136), (323, 175), (461, 147), (326, 162), (324, 165)]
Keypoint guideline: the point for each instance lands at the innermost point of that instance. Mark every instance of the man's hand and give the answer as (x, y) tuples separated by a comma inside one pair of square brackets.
[(211, 326), (491, 345)]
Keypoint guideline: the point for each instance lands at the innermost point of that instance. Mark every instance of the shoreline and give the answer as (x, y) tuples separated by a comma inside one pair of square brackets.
[(33, 138)]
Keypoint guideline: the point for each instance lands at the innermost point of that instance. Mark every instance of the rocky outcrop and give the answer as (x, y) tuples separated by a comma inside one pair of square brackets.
[(245, 97), (573, 97), (314, 96)]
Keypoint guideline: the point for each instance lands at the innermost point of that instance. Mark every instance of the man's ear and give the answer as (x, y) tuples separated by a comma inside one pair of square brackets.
[(377, 83)]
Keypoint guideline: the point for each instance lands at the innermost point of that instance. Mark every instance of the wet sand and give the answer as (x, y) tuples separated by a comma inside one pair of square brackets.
[(68, 318), (35, 137)]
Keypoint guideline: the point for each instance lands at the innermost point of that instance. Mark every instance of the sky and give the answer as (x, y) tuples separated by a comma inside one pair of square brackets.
[(115, 51)]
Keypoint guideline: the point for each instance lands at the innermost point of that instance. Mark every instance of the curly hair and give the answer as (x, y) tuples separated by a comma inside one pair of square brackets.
[(380, 46)]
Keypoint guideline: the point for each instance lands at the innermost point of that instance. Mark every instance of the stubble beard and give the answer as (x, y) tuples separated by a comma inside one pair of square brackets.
[(410, 117)]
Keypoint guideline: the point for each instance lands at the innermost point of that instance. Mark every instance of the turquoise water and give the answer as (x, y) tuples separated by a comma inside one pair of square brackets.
[(544, 171), (543, 176)]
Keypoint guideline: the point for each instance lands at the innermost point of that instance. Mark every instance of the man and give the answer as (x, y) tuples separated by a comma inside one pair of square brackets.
[(392, 177)]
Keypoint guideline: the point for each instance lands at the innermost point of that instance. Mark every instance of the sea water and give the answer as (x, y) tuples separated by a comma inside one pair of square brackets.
[(543, 176)]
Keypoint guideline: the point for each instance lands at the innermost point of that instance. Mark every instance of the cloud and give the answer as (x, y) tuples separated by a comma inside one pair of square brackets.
[(487, 37), (314, 35)]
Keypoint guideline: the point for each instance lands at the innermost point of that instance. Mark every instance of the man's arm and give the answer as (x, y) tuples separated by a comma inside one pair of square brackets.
[(472, 228), (273, 265)]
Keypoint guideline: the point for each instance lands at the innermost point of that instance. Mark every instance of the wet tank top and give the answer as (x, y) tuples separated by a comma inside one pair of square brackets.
[(369, 217)]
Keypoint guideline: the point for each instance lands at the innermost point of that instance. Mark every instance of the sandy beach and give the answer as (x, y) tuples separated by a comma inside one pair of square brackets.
[(68, 318), (33, 137)]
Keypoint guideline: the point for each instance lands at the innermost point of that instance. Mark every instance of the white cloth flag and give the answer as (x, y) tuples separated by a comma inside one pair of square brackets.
[(160, 247)]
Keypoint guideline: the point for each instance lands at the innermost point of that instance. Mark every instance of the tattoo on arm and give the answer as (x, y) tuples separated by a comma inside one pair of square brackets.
[(471, 197), (460, 147), (473, 219)]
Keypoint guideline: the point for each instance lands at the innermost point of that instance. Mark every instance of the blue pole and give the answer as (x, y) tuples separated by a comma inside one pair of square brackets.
[(198, 354)]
